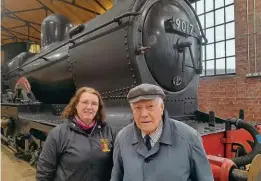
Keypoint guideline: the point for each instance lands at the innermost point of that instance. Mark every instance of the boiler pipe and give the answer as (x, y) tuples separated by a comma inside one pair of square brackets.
[(248, 58), (255, 31)]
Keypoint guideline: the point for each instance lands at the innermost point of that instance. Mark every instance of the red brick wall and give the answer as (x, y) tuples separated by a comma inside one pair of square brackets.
[(227, 94)]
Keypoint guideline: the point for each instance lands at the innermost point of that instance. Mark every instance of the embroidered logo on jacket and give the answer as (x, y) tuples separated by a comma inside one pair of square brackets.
[(105, 145)]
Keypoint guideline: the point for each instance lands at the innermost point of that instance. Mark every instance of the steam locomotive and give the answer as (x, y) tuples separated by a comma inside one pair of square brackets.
[(139, 41)]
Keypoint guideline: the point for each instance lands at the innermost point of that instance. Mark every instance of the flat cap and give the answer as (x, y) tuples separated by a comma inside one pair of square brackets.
[(145, 92)]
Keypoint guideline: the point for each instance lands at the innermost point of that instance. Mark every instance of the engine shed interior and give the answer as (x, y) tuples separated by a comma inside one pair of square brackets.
[(205, 54)]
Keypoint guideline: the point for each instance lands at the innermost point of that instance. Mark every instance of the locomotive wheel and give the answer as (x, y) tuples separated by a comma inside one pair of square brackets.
[(34, 154), (22, 95), (7, 127), (4, 122)]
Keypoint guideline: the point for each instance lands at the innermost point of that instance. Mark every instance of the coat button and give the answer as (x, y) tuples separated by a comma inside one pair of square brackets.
[(147, 160)]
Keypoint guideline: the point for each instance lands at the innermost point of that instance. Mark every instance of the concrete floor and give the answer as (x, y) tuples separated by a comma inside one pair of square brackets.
[(13, 169)]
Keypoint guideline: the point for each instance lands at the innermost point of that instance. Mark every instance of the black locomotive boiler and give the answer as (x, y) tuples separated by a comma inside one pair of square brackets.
[(136, 41), (156, 42)]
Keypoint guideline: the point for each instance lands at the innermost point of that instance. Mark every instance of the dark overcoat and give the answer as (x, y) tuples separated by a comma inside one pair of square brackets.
[(179, 155)]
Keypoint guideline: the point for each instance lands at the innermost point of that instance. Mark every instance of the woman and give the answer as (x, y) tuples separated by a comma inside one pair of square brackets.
[(80, 149)]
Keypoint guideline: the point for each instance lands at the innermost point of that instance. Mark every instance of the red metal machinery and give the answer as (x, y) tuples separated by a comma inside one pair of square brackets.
[(235, 154)]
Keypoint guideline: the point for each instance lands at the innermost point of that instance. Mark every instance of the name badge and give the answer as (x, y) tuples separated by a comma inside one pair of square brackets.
[(105, 145)]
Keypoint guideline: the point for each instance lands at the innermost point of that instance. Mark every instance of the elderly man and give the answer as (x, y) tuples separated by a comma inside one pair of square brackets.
[(155, 147)]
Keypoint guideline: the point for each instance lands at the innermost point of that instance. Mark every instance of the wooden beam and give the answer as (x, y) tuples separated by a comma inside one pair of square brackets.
[(97, 1), (21, 11), (8, 31), (12, 31), (46, 7), (80, 7)]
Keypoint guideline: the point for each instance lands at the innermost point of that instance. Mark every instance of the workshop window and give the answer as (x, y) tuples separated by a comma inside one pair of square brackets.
[(218, 22)]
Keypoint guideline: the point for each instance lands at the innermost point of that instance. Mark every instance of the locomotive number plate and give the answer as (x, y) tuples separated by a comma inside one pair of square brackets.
[(182, 26)]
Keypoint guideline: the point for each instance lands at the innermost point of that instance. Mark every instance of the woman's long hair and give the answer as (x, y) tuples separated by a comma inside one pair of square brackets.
[(70, 110)]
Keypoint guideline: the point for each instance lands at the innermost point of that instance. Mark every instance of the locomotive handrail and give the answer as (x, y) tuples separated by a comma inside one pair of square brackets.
[(199, 23), (246, 159), (117, 19)]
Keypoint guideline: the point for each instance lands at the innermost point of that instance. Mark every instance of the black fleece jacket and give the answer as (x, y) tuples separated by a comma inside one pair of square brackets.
[(72, 154)]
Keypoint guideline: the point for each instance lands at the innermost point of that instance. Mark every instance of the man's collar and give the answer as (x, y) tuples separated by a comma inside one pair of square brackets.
[(166, 136), (136, 133)]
